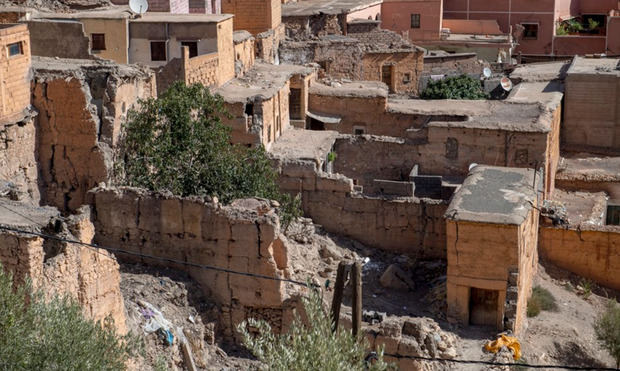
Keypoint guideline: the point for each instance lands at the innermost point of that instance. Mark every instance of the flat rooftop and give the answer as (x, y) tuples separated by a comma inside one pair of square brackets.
[(362, 89), (123, 12), (262, 81), (549, 93), (300, 144), (479, 114), (583, 207), (496, 195), (545, 71), (476, 39), (306, 8), (68, 67), (595, 66), (589, 169)]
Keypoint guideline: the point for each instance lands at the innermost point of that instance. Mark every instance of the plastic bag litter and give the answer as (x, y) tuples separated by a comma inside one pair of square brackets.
[(505, 341), (156, 321)]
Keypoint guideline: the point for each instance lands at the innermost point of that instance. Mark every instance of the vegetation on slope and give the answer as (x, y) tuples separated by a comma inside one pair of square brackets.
[(36, 334), (607, 329), (308, 347)]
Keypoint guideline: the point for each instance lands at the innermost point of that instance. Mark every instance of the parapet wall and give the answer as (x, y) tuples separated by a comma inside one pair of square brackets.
[(402, 225), (243, 237), (590, 251)]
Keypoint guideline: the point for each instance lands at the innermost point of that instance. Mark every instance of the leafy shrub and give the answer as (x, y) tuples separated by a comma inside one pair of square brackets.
[(178, 143), (36, 334), (607, 329), (540, 300), (454, 87), (313, 347)]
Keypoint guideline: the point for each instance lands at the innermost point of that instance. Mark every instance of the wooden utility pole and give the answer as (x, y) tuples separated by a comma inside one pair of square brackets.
[(338, 292), (356, 280)]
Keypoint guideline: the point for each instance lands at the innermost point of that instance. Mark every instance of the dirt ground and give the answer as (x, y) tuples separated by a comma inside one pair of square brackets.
[(565, 336)]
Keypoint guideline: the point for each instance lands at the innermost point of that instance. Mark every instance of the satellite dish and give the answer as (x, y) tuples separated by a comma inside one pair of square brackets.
[(486, 72), (506, 84), (138, 6)]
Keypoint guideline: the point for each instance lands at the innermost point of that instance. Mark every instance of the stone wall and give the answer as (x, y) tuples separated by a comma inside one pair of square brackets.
[(91, 276), (18, 164), (402, 225), (244, 52), (80, 114), (243, 237), (590, 251), (14, 72), (267, 44), (406, 68)]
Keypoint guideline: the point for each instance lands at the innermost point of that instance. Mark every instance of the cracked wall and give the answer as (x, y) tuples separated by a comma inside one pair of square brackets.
[(90, 276), (79, 122), (244, 237), (18, 164)]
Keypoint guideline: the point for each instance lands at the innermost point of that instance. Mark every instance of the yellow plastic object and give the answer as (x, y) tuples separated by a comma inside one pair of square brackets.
[(505, 341)]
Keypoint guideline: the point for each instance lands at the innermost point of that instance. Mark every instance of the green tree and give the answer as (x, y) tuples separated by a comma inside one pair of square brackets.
[(311, 347), (36, 334), (607, 329), (178, 143), (454, 87)]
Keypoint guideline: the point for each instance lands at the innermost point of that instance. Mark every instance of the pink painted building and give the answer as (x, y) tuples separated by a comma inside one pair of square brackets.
[(539, 27)]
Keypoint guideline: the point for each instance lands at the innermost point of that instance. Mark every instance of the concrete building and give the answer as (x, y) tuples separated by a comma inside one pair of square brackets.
[(536, 24), (491, 242), (14, 70)]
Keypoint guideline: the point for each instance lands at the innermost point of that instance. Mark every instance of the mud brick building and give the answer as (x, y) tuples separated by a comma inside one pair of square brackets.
[(14, 70), (491, 242)]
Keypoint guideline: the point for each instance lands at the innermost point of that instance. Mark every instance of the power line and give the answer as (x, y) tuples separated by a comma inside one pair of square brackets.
[(169, 260), (491, 363)]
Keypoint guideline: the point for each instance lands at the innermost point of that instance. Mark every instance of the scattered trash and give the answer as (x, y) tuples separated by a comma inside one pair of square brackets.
[(556, 211), (191, 319), (505, 341), (156, 320), (147, 313), (373, 317), (167, 335)]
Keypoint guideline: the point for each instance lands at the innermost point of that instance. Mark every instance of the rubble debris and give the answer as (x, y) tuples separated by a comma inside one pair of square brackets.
[(395, 277)]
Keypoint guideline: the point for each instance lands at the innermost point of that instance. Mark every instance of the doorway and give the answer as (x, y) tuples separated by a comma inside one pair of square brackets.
[(386, 76), (483, 307)]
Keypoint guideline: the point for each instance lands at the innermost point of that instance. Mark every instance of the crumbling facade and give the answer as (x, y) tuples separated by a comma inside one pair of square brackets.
[(81, 107)]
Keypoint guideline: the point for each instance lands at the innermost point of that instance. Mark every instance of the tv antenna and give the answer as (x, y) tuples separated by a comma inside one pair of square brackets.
[(138, 6)]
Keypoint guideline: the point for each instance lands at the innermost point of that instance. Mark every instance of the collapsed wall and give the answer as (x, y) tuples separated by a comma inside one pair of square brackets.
[(81, 107), (91, 276), (406, 225), (244, 237)]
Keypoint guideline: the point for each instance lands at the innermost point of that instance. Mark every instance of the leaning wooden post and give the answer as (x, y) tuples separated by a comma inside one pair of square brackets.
[(356, 280), (338, 292)]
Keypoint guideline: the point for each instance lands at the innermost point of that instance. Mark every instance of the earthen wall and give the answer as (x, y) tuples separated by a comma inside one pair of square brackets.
[(406, 68), (592, 252), (243, 237), (90, 276), (244, 56), (18, 164), (79, 123)]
